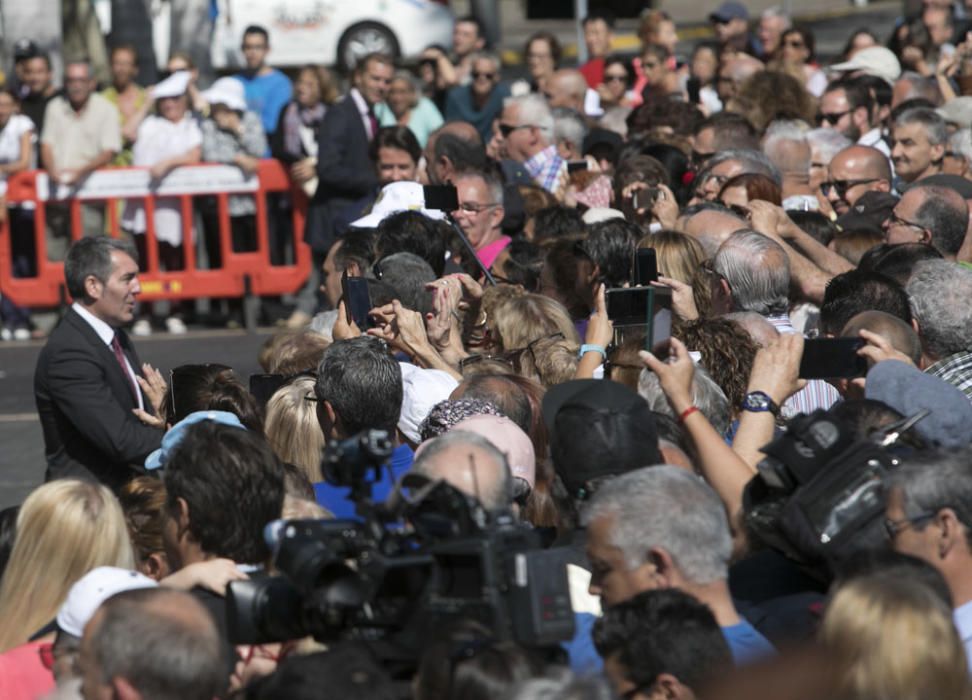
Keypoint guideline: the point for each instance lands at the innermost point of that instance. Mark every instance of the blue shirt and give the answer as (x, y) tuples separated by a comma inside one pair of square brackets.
[(746, 644), (459, 106), (335, 498), (266, 95), (581, 653)]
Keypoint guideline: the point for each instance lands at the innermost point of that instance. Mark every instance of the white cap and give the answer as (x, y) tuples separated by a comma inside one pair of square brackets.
[(423, 389), (958, 110), (227, 91), (93, 589), (396, 197), (173, 86), (597, 214), (874, 60)]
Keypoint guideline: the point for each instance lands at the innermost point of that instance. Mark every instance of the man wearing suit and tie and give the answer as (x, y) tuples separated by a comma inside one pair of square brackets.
[(86, 381), (346, 173)]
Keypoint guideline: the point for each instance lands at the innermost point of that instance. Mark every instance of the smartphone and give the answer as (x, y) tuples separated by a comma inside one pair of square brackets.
[(441, 197), (357, 300), (263, 386), (574, 166), (650, 307), (644, 199), (832, 358), (646, 267)]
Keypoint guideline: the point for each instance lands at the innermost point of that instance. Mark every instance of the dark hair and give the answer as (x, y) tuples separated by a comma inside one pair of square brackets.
[(408, 274), (233, 485), (257, 29), (524, 264), (348, 670), (412, 232), (611, 246), (663, 631), (8, 533), (296, 482), (757, 186), (210, 387), (124, 47), (374, 57), (675, 162), (619, 60), (91, 256), (472, 19), (879, 88), (727, 350), (897, 261), (806, 34), (358, 248), (866, 416), (731, 130), (162, 655), (556, 50), (555, 222), (398, 137), (605, 16), (44, 56), (143, 501), (561, 259), (857, 93), (893, 565), (638, 168), (464, 155), (814, 223), (849, 45), (504, 392), (363, 384), (850, 293), (680, 116)]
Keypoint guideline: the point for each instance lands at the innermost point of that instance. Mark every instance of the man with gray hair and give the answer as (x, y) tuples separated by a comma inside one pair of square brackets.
[(930, 214), (470, 463), (662, 527), (526, 128), (772, 23), (570, 130), (567, 88), (728, 164), (751, 272), (152, 643), (940, 292), (789, 151), (928, 514), (920, 137)]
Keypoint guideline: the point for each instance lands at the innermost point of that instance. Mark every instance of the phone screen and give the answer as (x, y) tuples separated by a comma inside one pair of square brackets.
[(263, 386), (441, 197), (646, 266), (357, 301), (574, 166), (832, 358)]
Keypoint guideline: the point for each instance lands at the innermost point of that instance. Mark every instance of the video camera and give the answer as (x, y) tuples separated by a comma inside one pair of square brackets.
[(819, 494), (410, 567)]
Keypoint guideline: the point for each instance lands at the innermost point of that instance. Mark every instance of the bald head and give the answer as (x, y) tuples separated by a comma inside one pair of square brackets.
[(460, 129), (899, 334), (567, 88), (470, 463), (711, 228), (859, 169)]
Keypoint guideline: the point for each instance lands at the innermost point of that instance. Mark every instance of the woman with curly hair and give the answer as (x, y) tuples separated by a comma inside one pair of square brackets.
[(770, 95)]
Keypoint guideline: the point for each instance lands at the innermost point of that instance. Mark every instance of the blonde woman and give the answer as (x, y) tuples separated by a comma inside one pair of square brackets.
[(680, 258), (895, 638), (291, 427), (65, 529), (529, 317)]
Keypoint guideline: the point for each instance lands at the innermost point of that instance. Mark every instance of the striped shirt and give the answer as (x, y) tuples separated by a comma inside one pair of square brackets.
[(816, 394), (545, 168), (955, 369)]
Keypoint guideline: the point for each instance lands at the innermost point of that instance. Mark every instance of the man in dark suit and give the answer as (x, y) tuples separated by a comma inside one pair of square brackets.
[(86, 383), (346, 174)]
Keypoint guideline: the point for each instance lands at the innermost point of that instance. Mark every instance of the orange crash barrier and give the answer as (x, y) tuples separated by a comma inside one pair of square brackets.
[(240, 273)]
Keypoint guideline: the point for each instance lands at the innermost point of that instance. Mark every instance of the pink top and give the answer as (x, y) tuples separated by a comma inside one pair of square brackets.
[(23, 675), (488, 254)]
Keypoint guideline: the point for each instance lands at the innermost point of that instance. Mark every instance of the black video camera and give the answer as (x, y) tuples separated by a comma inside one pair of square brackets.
[(407, 569)]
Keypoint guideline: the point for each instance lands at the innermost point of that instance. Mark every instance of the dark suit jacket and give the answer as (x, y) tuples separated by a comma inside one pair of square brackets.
[(85, 404), (345, 172)]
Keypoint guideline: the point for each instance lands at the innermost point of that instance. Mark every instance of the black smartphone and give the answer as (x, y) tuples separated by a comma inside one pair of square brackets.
[(694, 88), (357, 301), (832, 358), (646, 267), (441, 197), (628, 307), (263, 386), (644, 199), (574, 166)]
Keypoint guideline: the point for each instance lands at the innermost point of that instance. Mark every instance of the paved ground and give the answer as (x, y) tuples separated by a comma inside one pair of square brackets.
[(21, 442)]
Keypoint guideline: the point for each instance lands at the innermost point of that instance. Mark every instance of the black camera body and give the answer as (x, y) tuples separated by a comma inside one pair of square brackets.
[(403, 573)]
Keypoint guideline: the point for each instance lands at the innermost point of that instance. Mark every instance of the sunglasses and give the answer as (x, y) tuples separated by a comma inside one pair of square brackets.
[(795, 44), (488, 76), (615, 78), (831, 117), (841, 186), (513, 358), (507, 129)]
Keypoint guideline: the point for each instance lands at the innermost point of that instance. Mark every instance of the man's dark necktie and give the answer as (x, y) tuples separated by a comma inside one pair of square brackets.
[(120, 356)]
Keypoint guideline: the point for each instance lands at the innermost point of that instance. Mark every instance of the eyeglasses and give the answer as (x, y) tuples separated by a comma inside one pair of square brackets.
[(615, 78), (795, 44), (507, 129), (474, 208), (513, 358), (841, 186), (831, 117), (895, 220), (476, 75), (893, 527)]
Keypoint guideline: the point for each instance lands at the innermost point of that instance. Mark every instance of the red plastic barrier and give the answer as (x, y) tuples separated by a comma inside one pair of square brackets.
[(47, 287)]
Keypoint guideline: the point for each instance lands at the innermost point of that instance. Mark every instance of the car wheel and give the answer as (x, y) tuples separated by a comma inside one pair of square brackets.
[(364, 38)]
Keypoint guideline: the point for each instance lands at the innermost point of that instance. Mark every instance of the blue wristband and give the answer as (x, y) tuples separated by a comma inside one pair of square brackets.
[(592, 348)]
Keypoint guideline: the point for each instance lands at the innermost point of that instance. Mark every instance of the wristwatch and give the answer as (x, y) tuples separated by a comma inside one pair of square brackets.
[(759, 402)]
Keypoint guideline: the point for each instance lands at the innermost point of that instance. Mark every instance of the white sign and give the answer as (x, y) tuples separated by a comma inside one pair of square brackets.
[(136, 182)]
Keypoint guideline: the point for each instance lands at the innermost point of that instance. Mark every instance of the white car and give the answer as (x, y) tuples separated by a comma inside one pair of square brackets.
[(332, 31)]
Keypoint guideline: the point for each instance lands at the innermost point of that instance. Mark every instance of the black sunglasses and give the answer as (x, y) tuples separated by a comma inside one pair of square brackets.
[(841, 186)]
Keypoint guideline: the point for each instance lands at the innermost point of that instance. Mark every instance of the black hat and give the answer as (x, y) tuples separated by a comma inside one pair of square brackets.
[(871, 210), (24, 49), (598, 428), (598, 136)]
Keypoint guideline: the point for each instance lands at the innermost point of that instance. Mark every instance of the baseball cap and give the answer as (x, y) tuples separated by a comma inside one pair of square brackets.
[(171, 440), (729, 10), (423, 389), (957, 111), (87, 595), (24, 49), (908, 390), (871, 210), (509, 439), (598, 428), (173, 86), (597, 214), (228, 92), (396, 197), (874, 60)]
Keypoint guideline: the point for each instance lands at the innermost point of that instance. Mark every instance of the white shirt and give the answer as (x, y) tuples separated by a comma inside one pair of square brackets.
[(160, 139), (10, 137), (873, 138), (364, 110), (107, 333), (963, 623)]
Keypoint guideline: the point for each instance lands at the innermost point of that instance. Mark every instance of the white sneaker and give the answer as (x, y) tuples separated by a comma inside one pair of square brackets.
[(142, 328), (6, 334), (21, 334), (175, 325)]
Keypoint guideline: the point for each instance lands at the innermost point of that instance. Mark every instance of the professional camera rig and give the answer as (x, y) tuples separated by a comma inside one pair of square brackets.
[(406, 570)]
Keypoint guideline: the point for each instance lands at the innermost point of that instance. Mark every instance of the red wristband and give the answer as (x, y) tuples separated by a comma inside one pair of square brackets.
[(686, 413)]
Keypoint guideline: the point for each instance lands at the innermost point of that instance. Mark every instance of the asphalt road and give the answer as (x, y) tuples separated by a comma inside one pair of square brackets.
[(21, 442)]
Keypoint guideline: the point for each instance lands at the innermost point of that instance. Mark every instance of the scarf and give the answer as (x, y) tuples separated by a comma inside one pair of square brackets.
[(296, 116)]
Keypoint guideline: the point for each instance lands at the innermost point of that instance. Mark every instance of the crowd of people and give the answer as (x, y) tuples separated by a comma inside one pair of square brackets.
[(786, 202)]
